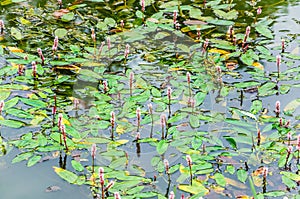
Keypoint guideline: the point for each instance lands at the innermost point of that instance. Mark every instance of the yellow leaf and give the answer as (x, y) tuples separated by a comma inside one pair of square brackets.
[(258, 65), (120, 129), (24, 21), (216, 50), (15, 50), (176, 69), (196, 188), (66, 122), (183, 169)]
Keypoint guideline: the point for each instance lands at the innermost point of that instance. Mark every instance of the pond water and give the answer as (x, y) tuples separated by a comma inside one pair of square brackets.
[(234, 89)]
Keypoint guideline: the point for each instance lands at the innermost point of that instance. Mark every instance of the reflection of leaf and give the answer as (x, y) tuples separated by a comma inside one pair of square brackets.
[(291, 106)]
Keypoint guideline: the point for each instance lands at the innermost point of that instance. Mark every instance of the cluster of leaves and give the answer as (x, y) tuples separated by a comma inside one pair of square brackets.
[(79, 68)]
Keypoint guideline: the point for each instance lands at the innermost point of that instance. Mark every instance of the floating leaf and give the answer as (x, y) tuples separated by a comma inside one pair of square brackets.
[(67, 17), (60, 32), (11, 123), (264, 30), (291, 175), (256, 106), (232, 14), (194, 121), (33, 160), (195, 188), (258, 65), (66, 175), (77, 166), (34, 102), (242, 175), (162, 147), (22, 156), (16, 33), (220, 179)]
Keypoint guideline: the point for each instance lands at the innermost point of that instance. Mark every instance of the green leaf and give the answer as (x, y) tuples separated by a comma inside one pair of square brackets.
[(264, 30), (289, 182), (22, 156), (291, 175), (110, 21), (12, 102), (11, 123), (33, 160), (162, 146), (77, 166), (194, 121), (195, 188), (256, 106), (16, 33), (118, 163), (220, 179), (220, 22), (249, 57), (4, 94), (66, 175), (60, 32), (34, 102), (267, 89), (231, 141), (67, 17), (199, 97), (246, 84), (242, 175), (232, 14)]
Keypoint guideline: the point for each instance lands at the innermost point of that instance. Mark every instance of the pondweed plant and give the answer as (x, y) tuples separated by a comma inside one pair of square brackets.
[(197, 68)]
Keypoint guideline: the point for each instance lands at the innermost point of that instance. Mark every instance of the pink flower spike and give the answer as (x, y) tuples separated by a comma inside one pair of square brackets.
[(277, 107), (265, 172), (138, 114), (172, 195), (169, 93), (105, 87), (289, 136), (55, 43), (163, 120), (298, 143), (126, 52), (166, 163), (248, 29), (93, 35), (117, 195), (174, 17), (93, 151), (150, 108), (2, 27), (143, 5), (101, 175), (290, 149), (278, 60), (282, 44), (60, 120), (122, 24), (108, 43), (33, 63), (259, 10), (1, 106), (112, 118), (138, 136), (189, 160), (188, 77)]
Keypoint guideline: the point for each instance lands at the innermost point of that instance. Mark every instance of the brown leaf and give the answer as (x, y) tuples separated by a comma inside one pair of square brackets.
[(58, 13)]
